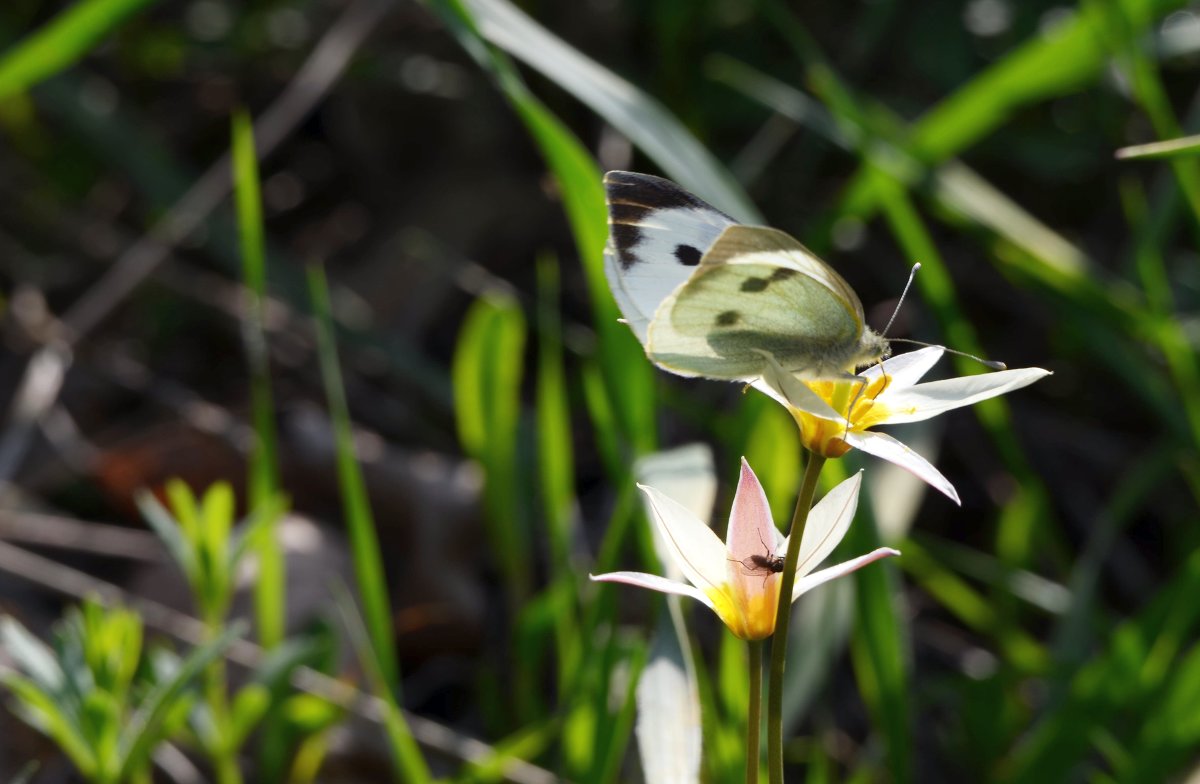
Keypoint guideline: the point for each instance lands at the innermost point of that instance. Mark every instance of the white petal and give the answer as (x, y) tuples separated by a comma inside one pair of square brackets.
[(827, 524), (805, 584), (930, 399), (908, 368), (654, 583), (888, 448), (695, 548), (785, 388)]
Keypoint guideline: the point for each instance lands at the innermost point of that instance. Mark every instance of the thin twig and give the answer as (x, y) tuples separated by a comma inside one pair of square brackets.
[(68, 533)]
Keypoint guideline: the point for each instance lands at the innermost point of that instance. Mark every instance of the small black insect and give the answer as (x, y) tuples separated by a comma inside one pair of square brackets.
[(770, 562), (765, 565)]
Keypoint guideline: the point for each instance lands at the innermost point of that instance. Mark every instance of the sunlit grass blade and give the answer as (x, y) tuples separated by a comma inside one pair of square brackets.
[(1126, 41), (1074, 635), (614, 733), (879, 644), (644, 120), (627, 379), (952, 184), (1020, 534), (1168, 148), (556, 465), (974, 610), (406, 754), (487, 370), (1163, 327), (360, 522), (1125, 681), (61, 42), (270, 588), (526, 743)]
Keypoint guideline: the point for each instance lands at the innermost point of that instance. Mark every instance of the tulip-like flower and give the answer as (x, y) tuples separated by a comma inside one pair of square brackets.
[(837, 415), (739, 580)]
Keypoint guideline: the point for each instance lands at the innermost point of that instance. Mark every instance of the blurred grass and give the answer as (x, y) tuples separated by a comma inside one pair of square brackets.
[(1053, 618), (59, 43), (360, 522), (372, 636)]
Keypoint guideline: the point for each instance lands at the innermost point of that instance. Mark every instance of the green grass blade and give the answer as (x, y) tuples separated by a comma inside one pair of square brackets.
[(1020, 535), (61, 42), (879, 646), (270, 592), (973, 609), (641, 118), (487, 371), (410, 764), (1169, 148), (364, 543), (1125, 40), (556, 465)]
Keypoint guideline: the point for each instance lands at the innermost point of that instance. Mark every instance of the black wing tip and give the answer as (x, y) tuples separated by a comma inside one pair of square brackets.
[(646, 192)]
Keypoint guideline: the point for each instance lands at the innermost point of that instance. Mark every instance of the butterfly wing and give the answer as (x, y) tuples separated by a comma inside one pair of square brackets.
[(758, 290), (658, 233)]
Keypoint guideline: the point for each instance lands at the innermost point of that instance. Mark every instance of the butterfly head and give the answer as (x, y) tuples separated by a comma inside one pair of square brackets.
[(872, 348)]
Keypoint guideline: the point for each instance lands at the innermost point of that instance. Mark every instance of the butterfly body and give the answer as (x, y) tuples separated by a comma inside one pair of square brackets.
[(708, 296)]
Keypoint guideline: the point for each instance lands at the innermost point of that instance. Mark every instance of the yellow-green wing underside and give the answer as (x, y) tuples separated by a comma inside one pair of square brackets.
[(758, 290)]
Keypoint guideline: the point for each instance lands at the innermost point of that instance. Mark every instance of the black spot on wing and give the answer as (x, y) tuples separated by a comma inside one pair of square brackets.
[(755, 285), (631, 197), (728, 318), (687, 255)]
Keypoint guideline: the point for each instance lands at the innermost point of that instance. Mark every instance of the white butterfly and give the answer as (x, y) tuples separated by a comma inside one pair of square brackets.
[(708, 296)]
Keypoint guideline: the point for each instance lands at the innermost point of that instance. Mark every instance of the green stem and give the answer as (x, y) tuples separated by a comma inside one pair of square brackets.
[(224, 755), (808, 488), (753, 745)]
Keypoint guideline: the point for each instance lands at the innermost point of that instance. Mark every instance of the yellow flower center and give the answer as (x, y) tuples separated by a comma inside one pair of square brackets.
[(856, 403), (749, 613)]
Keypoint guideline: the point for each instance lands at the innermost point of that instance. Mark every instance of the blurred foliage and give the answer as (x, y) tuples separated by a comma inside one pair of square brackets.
[(449, 183)]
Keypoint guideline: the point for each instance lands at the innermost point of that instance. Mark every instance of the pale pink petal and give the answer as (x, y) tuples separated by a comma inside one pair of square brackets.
[(923, 401), (654, 583), (751, 533), (785, 388), (699, 553), (807, 583), (750, 524), (827, 523), (908, 368), (888, 448)]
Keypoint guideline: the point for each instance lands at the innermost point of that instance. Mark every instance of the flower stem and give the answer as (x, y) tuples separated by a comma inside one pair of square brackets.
[(754, 722), (808, 488)]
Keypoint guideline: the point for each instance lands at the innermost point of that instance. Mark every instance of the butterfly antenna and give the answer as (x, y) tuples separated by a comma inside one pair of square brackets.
[(993, 364), (912, 274)]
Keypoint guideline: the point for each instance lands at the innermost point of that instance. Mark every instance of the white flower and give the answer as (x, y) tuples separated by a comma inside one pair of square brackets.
[(739, 579), (836, 415)]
